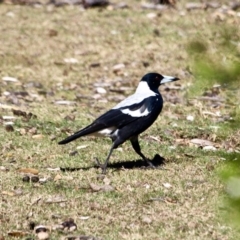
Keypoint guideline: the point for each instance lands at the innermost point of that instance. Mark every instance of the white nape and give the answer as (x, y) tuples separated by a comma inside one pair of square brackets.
[(142, 92)]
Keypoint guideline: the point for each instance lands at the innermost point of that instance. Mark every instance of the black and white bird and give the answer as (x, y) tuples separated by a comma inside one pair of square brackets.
[(130, 117)]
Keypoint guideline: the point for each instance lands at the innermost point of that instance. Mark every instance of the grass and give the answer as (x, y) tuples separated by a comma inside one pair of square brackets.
[(35, 42)]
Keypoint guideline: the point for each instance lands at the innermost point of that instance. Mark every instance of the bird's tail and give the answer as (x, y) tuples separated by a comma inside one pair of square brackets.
[(71, 138), (95, 127)]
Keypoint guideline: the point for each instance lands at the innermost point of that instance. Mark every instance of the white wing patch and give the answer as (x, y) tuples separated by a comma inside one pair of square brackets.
[(136, 113)]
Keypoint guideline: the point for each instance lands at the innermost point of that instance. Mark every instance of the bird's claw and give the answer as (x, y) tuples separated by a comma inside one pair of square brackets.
[(102, 166)]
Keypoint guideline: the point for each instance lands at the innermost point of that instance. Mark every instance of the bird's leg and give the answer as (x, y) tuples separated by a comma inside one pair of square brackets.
[(104, 166), (136, 147)]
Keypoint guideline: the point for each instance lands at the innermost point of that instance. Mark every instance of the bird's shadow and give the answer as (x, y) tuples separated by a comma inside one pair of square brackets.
[(157, 161)]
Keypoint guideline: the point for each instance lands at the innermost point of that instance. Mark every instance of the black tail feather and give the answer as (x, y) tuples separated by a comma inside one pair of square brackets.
[(94, 127), (70, 138)]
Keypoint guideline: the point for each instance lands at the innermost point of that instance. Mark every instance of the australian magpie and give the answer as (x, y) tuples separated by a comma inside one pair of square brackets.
[(130, 117)]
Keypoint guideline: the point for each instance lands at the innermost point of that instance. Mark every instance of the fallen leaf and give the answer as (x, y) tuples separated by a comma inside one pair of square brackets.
[(146, 219), (101, 90), (43, 180), (22, 131), (33, 130), (154, 6), (54, 169), (2, 237), (94, 65), (201, 142), (57, 177), (81, 237), (95, 187), (107, 181), (52, 33), (107, 188), (103, 188), (217, 114), (170, 200), (4, 169), (17, 233), (212, 148), (70, 117), (160, 199), (9, 79), (28, 170), (8, 193), (218, 16), (26, 115), (118, 67), (193, 6), (167, 185), (53, 137), (64, 102), (157, 139), (8, 123), (82, 147), (36, 201), (121, 5), (151, 15), (210, 167), (37, 136), (147, 186), (57, 199), (8, 117), (190, 118), (18, 191), (84, 217), (71, 60)]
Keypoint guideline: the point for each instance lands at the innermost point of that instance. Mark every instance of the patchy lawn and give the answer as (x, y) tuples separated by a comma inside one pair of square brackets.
[(62, 67)]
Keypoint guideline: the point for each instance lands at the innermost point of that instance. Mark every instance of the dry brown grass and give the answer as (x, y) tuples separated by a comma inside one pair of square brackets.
[(179, 201)]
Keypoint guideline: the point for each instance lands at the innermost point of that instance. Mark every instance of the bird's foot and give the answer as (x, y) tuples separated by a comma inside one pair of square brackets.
[(102, 166)]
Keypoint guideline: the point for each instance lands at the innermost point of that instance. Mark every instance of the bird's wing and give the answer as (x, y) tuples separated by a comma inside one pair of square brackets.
[(118, 118), (124, 115)]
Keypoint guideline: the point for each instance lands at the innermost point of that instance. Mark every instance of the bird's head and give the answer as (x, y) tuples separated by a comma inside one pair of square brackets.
[(154, 80)]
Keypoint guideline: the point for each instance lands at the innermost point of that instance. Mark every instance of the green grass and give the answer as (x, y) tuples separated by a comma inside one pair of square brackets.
[(192, 208)]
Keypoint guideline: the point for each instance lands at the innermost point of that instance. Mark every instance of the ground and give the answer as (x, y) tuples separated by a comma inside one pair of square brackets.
[(68, 65)]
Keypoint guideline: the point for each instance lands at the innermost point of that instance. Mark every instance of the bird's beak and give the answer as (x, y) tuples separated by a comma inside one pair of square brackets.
[(167, 79)]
